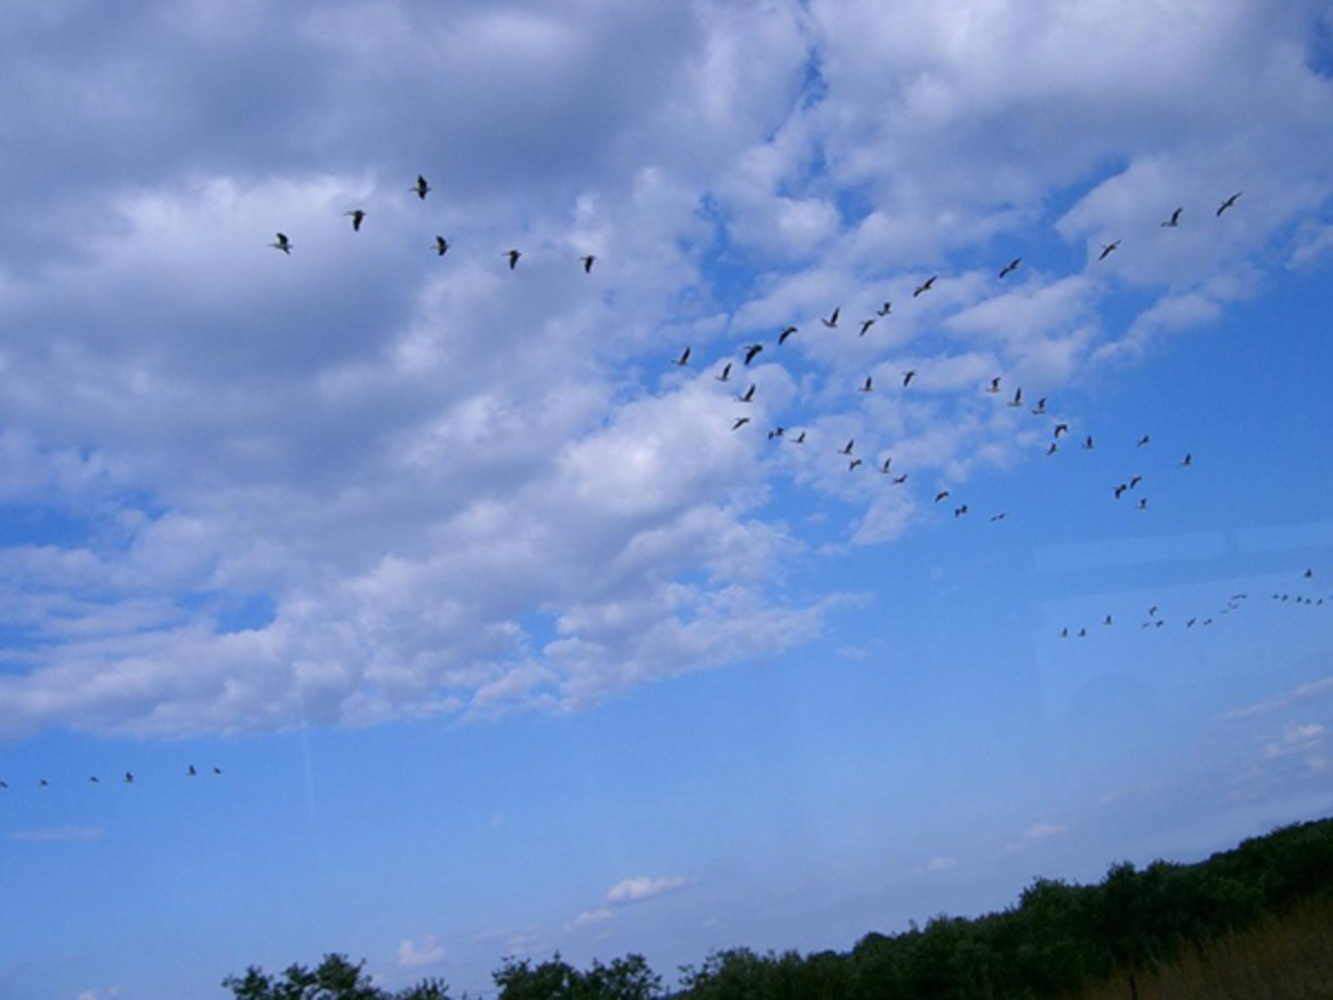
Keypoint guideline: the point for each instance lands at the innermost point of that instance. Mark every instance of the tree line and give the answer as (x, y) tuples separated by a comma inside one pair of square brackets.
[(1057, 939)]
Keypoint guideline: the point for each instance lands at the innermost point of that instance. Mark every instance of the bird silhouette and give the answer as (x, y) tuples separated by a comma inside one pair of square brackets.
[(1144, 440), (129, 778), (1040, 408), (726, 373), (867, 385), (1108, 249), (513, 256), (848, 449), (1087, 443), (1011, 267), (853, 464), (748, 396), (925, 286), (899, 480), (740, 422), (799, 439), (358, 217), (908, 376), (752, 352), (941, 495), (441, 245), (785, 334), (420, 187), (588, 260), (684, 358), (1018, 397), (888, 464), (1228, 203), (190, 772), (1174, 221), (832, 321), (885, 309), (866, 324), (994, 385), (283, 244), (1187, 461), (960, 511)]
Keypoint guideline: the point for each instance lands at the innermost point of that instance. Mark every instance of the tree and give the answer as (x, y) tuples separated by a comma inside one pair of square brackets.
[(336, 978)]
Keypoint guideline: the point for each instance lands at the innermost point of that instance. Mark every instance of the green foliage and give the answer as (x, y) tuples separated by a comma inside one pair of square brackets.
[(627, 978), (335, 978)]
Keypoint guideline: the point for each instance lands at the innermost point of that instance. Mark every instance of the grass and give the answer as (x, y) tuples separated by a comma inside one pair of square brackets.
[(1283, 958)]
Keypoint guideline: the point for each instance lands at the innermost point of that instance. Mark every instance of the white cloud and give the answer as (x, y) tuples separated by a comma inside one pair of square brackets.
[(635, 890), (412, 955)]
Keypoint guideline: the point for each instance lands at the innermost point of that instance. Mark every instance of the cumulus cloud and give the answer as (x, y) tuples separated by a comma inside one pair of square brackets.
[(412, 955), (363, 482)]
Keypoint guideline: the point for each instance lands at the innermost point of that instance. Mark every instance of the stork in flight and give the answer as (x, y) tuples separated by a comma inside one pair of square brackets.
[(587, 260), (283, 244), (420, 187), (358, 216), (1174, 221), (513, 256), (1108, 249), (1011, 267), (925, 286), (1228, 203), (832, 321)]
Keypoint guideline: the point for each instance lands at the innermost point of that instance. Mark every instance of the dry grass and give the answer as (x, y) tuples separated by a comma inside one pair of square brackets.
[(1286, 958)]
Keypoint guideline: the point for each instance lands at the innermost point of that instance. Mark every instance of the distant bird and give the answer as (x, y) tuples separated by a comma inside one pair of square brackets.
[(908, 376), (190, 772), (799, 439), (926, 286), (1144, 440), (941, 495), (1228, 203), (1187, 461), (1134, 481), (899, 480), (1174, 221), (885, 309), (888, 464), (1106, 620), (1309, 574), (217, 770), (129, 778), (994, 384), (1000, 516), (752, 352), (4, 785), (358, 217), (1061, 428), (1052, 449), (93, 779), (785, 334), (776, 432), (1064, 633), (513, 256), (867, 385), (960, 511), (1120, 490), (848, 449), (441, 245), (1040, 408), (1190, 623), (1082, 633), (1087, 443), (1018, 397), (1108, 249), (684, 358), (740, 422), (853, 464), (726, 373), (866, 324), (283, 244), (1143, 503), (43, 783), (1153, 610), (588, 260), (420, 187), (748, 396), (832, 321), (1011, 267)]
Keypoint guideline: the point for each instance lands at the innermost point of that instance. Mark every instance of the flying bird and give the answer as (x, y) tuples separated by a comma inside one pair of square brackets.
[(1052, 449), (1228, 203), (684, 358), (752, 352), (283, 244), (1143, 503), (587, 260), (1018, 397), (782, 337), (420, 187), (908, 376), (740, 422), (1011, 267), (358, 217), (726, 373), (1087, 443), (832, 321), (1061, 428), (960, 511), (1040, 408), (941, 495), (513, 256), (1187, 461), (867, 385), (129, 778), (885, 309), (899, 480), (1120, 490), (1174, 221), (994, 384), (748, 397), (1000, 516), (866, 325), (441, 245), (1134, 481), (1108, 249), (853, 464), (848, 449), (190, 772), (798, 439), (776, 432), (1144, 440), (926, 286), (888, 463)]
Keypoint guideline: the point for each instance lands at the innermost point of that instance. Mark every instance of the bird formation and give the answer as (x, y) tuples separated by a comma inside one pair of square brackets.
[(1013, 399), (440, 245), (128, 778), (1154, 619)]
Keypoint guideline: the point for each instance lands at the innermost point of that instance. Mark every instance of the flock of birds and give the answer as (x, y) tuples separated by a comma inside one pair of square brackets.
[(127, 779), (1155, 619)]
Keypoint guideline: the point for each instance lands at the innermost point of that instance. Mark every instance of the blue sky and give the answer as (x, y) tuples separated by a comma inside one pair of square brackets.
[(503, 640)]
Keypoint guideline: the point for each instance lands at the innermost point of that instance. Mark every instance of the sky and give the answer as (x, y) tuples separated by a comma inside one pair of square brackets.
[(487, 631)]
